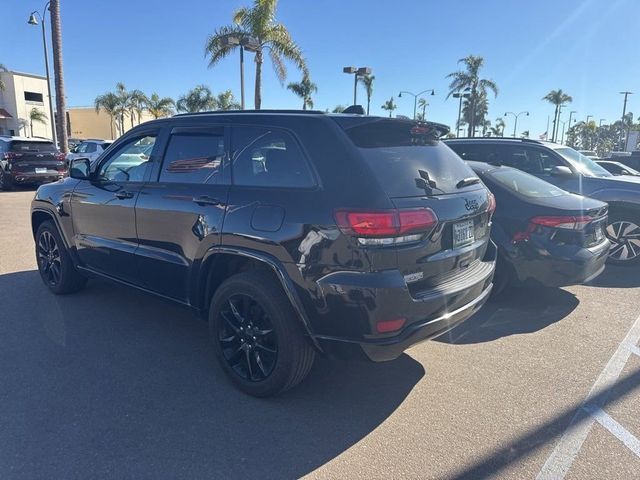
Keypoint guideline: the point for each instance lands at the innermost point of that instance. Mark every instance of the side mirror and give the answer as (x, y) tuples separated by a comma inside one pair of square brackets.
[(561, 171), (80, 169)]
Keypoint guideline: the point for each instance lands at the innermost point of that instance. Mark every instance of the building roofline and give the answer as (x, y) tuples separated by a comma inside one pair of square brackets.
[(25, 74)]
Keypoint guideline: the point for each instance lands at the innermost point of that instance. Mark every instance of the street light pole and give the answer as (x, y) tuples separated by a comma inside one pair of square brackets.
[(34, 21), (415, 98), (515, 124), (588, 117), (624, 112), (356, 72)]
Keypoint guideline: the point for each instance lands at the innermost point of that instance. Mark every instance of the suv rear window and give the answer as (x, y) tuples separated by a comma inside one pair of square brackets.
[(397, 151), (26, 146), (524, 184)]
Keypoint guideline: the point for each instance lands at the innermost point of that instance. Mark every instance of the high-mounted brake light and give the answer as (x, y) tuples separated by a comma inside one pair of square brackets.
[(492, 204), (562, 222), (387, 227)]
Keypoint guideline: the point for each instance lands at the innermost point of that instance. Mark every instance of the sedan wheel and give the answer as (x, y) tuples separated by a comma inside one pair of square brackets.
[(625, 237)]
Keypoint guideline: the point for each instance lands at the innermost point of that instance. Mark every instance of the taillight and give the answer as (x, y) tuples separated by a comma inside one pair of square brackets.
[(12, 155), (388, 326), (59, 156), (562, 222), (492, 204), (387, 227)]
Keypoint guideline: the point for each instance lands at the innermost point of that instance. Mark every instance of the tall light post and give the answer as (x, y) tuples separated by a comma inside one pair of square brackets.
[(563, 125), (356, 72), (515, 124), (415, 98), (460, 95), (588, 117), (33, 20), (624, 112), (571, 116), (249, 44), (601, 121)]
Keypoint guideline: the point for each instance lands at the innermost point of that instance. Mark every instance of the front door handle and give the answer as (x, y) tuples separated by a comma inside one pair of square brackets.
[(123, 194), (206, 200)]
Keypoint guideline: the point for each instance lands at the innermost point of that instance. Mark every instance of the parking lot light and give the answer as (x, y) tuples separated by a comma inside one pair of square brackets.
[(356, 72)]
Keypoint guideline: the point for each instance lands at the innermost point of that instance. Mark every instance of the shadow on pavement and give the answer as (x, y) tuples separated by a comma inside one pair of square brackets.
[(617, 277), (112, 383), (514, 312)]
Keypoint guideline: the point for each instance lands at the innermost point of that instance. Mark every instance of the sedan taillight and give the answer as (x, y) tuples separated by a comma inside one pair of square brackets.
[(561, 222)]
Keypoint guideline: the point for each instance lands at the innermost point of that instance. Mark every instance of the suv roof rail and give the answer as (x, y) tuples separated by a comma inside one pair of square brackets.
[(512, 139), (233, 112)]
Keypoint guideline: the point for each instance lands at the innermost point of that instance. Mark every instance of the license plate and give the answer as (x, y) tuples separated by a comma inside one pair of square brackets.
[(463, 234), (41, 170)]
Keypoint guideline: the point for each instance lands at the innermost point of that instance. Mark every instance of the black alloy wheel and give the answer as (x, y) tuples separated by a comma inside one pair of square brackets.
[(247, 338), (49, 258)]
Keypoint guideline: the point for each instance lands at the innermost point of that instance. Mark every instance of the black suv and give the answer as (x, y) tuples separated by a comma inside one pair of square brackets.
[(571, 171), (29, 161), (293, 233)]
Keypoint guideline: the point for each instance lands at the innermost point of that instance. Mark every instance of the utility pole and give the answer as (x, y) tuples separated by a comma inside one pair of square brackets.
[(61, 104), (624, 112)]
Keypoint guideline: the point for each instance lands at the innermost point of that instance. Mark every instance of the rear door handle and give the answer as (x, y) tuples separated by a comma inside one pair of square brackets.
[(206, 200), (123, 195)]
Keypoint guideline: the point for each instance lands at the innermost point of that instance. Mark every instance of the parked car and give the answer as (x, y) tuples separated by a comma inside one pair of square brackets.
[(545, 236), (29, 161), (293, 233), (573, 172), (90, 149), (630, 159), (589, 154), (617, 168)]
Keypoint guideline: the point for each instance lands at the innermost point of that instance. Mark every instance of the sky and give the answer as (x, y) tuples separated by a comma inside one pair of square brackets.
[(588, 48)]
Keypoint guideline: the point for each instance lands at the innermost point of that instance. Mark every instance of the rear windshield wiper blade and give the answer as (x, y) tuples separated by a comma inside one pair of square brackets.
[(465, 182)]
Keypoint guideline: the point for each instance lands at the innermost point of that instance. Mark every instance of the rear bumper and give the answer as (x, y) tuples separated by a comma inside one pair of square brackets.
[(559, 266), (18, 178), (358, 301)]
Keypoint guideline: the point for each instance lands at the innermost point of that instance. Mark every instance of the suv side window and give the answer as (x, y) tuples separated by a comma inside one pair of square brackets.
[(265, 157), (475, 152), (194, 155), (130, 162)]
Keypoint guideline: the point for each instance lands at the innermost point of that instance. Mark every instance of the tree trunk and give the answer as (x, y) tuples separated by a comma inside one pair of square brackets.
[(472, 106), (131, 118), (31, 123), (368, 102), (258, 91), (111, 125), (56, 42), (555, 117), (304, 104)]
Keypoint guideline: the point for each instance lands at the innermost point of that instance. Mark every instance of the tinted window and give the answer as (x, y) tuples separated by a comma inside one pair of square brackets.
[(476, 152), (130, 162), (194, 156), (86, 147), (524, 184), (399, 153), (268, 158), (33, 97), (26, 146), (584, 165)]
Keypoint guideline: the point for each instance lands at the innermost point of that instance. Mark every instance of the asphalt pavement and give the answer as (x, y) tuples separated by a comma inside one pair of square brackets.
[(113, 383)]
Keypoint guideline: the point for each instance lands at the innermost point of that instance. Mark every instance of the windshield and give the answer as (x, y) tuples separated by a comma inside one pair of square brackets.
[(27, 146), (583, 164)]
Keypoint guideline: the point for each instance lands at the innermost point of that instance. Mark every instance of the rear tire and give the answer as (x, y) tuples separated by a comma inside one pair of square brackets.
[(256, 335), (503, 278), (623, 232), (54, 262), (5, 184)]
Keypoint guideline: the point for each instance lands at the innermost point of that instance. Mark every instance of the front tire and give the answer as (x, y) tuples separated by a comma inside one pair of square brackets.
[(256, 335), (623, 232), (54, 262)]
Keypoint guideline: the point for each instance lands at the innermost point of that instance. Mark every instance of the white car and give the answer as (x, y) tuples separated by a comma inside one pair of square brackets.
[(90, 149)]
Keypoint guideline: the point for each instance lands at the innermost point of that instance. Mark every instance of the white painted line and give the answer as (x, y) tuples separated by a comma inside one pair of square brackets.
[(634, 349), (621, 433), (563, 456)]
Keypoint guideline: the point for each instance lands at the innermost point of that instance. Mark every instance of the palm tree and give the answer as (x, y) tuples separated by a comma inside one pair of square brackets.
[(198, 99), (226, 101), (110, 103), (423, 104), (304, 89), (390, 106), (124, 97), (258, 24), (2, 69), (498, 129), (36, 115), (367, 81), (557, 98), (56, 46), (338, 109), (159, 107), (137, 102), (470, 78), (480, 111)]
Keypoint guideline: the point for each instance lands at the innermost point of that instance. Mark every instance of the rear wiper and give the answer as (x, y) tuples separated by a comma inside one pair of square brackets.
[(465, 182)]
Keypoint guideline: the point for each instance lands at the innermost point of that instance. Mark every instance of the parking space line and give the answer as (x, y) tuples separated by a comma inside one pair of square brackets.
[(565, 452), (621, 433)]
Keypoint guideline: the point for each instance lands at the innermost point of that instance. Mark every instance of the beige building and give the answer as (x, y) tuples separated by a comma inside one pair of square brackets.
[(85, 122), (22, 93)]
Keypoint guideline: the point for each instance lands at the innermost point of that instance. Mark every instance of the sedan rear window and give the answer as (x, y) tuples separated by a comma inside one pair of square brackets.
[(524, 184), (400, 153)]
